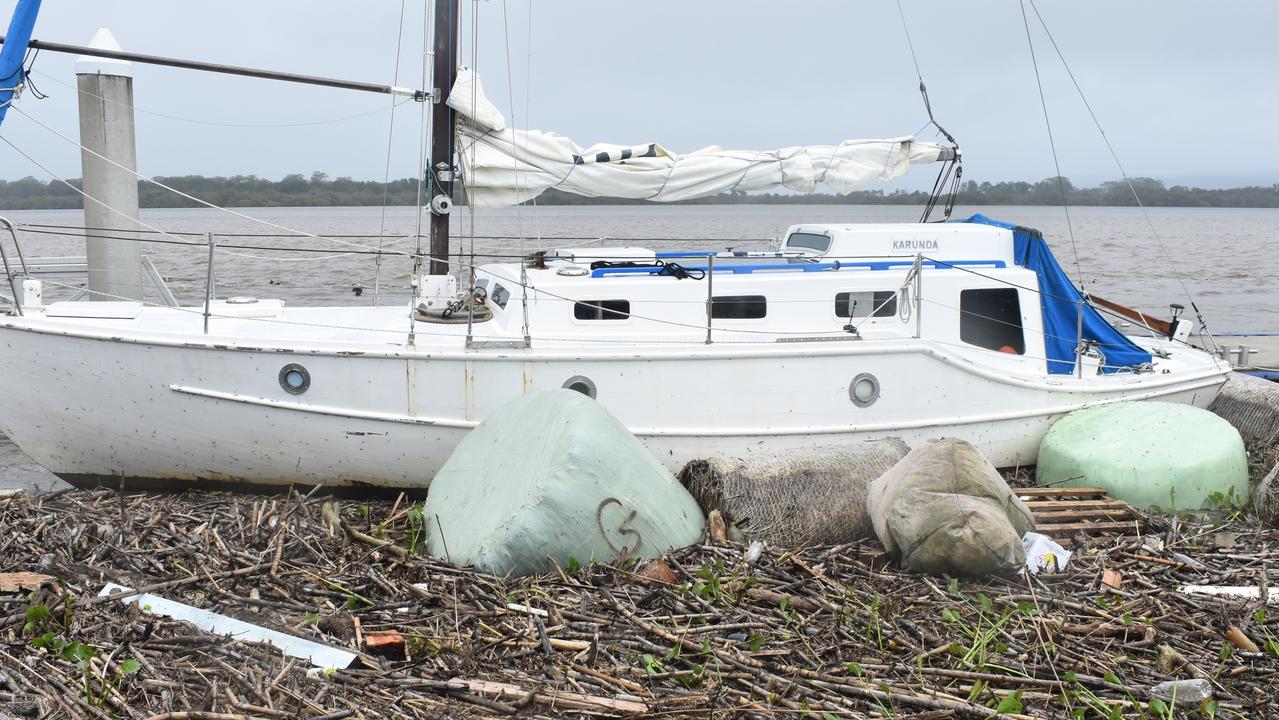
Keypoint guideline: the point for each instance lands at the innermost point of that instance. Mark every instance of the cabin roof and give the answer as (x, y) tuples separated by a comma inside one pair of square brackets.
[(940, 241)]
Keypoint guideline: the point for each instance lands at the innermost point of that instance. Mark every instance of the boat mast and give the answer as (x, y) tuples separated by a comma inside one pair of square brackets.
[(441, 171)]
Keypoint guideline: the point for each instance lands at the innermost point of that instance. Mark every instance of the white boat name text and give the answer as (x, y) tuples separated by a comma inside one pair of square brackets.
[(914, 245)]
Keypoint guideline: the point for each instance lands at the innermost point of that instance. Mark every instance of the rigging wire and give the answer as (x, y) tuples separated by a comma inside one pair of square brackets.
[(428, 55), (510, 94), (157, 183), (26, 80), (515, 163), (149, 228), (1203, 325), (1052, 144), (98, 235), (591, 238), (955, 164), (86, 196), (528, 99), (910, 43), (470, 215), (386, 176)]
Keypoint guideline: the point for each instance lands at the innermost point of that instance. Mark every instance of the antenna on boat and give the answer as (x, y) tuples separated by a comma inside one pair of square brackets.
[(440, 171)]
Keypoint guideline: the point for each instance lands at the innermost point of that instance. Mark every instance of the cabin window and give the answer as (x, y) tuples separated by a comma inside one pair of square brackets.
[(991, 318), (808, 241), (877, 303), (739, 307), (602, 309), (500, 295)]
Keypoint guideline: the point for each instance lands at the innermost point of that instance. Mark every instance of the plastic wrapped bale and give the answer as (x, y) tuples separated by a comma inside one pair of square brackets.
[(553, 474), (796, 497), (944, 509), (1251, 405), (1148, 454)]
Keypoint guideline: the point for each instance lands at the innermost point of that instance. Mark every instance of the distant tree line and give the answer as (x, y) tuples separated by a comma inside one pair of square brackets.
[(237, 191), (319, 190)]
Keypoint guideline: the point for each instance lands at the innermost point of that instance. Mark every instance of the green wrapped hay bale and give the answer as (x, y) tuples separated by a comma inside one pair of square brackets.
[(553, 474), (1148, 454)]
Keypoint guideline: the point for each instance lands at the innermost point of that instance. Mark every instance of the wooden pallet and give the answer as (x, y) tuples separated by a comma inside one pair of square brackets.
[(1064, 512)]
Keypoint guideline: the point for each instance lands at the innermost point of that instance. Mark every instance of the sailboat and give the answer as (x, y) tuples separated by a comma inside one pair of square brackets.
[(839, 333)]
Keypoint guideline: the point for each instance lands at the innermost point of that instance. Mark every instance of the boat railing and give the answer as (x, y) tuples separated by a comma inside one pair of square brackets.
[(208, 281), (747, 269), (62, 265), (8, 270), (918, 271), (710, 294)]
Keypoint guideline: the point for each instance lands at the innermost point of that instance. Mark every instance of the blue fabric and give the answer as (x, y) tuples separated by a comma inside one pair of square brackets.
[(15, 50), (1060, 300)]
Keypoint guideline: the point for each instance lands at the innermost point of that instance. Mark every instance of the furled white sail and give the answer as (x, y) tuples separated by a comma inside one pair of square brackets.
[(506, 166)]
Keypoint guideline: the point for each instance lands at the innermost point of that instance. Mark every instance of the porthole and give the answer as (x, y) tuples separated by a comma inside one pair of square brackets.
[(582, 384), (864, 390), (294, 379)]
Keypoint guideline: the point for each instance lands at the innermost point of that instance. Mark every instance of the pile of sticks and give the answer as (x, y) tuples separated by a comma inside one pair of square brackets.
[(713, 630)]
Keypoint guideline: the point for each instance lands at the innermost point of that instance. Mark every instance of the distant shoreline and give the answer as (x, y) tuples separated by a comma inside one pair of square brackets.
[(321, 191)]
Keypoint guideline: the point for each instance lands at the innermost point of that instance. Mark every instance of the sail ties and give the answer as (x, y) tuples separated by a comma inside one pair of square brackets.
[(605, 156)]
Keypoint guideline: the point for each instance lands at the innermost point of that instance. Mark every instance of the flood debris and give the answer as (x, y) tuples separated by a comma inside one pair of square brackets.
[(1251, 405), (319, 655), (831, 629), (1233, 591), (1266, 497), (1241, 641), (798, 496), (944, 509), (16, 581), (388, 644), (1190, 692), (1043, 554)]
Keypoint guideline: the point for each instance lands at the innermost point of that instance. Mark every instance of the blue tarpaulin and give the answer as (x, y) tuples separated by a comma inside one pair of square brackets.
[(15, 50), (1060, 300)]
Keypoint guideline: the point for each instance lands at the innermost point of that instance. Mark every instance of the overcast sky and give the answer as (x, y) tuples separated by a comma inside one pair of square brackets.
[(1185, 89)]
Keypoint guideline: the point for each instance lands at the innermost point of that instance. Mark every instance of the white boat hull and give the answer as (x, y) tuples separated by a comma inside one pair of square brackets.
[(113, 410)]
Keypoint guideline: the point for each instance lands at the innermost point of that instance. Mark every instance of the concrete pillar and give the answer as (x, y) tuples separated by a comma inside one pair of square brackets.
[(106, 128)]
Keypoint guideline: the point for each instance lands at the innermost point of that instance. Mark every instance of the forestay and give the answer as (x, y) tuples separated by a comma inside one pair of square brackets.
[(506, 166)]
